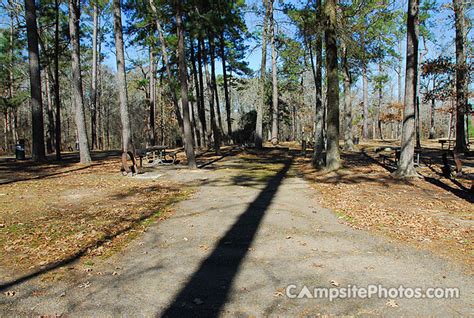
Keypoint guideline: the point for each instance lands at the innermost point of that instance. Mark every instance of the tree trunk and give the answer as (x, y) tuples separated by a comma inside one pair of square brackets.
[(152, 101), (188, 138), (461, 76), (214, 82), (164, 53), (332, 153), (127, 143), (199, 106), (406, 166), (400, 65), (215, 130), (274, 78), (432, 119), (38, 152), (365, 93), (348, 143), (50, 126), (379, 104), (202, 109), (74, 16), (261, 103), (318, 160), (57, 98), (93, 92), (226, 87)]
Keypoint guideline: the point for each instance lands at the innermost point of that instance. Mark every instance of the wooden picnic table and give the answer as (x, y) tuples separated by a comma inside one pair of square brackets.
[(156, 155), (397, 151), (450, 142)]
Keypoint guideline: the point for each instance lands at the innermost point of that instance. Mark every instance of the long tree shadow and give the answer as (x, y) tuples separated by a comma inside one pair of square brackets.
[(212, 282)]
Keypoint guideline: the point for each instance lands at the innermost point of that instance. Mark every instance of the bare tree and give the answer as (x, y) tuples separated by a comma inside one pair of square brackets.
[(38, 152), (406, 166)]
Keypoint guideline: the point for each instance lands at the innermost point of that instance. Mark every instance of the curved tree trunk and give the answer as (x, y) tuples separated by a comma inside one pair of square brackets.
[(74, 16), (38, 152), (406, 166), (332, 153)]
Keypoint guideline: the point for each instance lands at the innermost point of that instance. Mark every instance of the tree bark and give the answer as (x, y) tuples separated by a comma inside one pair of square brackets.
[(214, 82), (332, 153), (432, 118), (317, 159), (57, 98), (274, 78), (93, 92), (152, 101), (226, 88), (348, 143), (215, 130), (201, 132), (379, 104), (74, 16), (461, 76), (38, 151), (406, 166), (261, 103), (365, 93), (188, 138), (127, 142), (49, 111), (202, 109)]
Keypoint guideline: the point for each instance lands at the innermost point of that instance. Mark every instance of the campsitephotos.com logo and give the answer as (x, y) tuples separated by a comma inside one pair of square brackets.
[(370, 291)]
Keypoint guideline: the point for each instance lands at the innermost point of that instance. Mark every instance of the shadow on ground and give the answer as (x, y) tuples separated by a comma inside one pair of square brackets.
[(208, 289)]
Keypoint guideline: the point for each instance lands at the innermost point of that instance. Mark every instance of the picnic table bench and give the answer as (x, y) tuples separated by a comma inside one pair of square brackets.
[(397, 151), (156, 155), (450, 142)]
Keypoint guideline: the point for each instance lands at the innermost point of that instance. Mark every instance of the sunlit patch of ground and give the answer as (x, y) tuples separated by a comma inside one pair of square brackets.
[(92, 210), (365, 196)]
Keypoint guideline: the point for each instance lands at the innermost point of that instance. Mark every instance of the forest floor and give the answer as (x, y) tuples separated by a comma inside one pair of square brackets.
[(431, 212), (251, 224)]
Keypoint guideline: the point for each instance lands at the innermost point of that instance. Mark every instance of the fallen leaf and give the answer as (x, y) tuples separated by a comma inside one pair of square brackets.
[(10, 293), (391, 303), (334, 283)]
